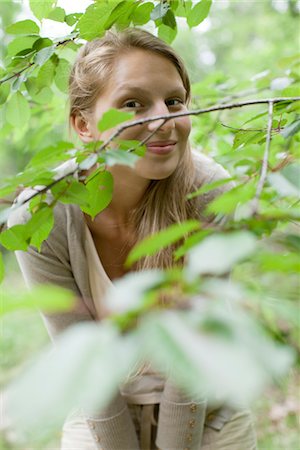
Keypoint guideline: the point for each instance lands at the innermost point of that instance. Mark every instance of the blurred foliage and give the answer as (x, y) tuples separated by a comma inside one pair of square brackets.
[(243, 50)]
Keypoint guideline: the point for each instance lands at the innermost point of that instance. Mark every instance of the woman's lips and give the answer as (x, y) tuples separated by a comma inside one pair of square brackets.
[(161, 148)]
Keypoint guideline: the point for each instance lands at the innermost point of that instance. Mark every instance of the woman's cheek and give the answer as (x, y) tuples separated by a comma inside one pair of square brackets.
[(185, 126)]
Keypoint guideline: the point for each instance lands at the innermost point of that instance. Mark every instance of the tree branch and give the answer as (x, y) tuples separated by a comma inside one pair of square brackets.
[(264, 167), (17, 74), (196, 112), (166, 117)]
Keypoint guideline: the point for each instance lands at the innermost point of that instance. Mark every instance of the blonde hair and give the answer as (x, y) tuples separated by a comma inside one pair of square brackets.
[(164, 202)]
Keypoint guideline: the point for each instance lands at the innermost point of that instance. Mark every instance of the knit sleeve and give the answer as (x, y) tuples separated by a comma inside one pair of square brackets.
[(181, 420), (112, 427), (49, 266)]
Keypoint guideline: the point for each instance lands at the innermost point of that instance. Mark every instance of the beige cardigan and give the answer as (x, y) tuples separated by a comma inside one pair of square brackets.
[(62, 261)]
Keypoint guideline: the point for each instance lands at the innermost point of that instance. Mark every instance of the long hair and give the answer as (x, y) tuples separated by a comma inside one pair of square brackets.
[(164, 202)]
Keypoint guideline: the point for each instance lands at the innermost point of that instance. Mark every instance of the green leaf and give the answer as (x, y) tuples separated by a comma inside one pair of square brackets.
[(119, 14), (160, 11), (282, 185), (20, 43), (217, 254), (243, 138), (42, 43), (165, 238), (142, 13), (72, 18), (62, 370), (15, 238), (226, 203), (113, 157), (23, 27), (292, 173), (16, 84), (62, 73), (40, 225), (128, 293), (181, 345), (18, 110), (46, 74), (41, 8), (2, 270), (291, 129), (190, 242), (53, 154), (71, 191), (174, 5), (199, 12), (209, 187), (132, 145), (293, 242), (92, 24), (112, 118), (100, 188), (183, 9), (57, 14), (169, 19), (284, 262), (166, 33), (43, 55), (43, 96), (48, 298), (30, 177), (33, 232), (4, 92), (87, 162)]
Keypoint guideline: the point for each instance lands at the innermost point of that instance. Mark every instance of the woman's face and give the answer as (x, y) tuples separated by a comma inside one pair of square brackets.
[(147, 84)]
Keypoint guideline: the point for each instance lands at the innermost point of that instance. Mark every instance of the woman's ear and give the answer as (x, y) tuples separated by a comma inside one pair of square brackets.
[(82, 127)]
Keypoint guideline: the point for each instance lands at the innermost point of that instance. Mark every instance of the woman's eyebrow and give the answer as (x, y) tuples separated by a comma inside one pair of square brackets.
[(128, 87)]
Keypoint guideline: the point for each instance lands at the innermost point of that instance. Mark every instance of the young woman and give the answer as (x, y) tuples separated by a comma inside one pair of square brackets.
[(132, 71)]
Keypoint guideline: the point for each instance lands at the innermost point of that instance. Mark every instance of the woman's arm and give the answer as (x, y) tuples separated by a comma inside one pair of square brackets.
[(181, 420), (112, 428)]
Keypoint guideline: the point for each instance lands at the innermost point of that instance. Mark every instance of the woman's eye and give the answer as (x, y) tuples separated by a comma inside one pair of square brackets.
[(132, 104), (174, 102)]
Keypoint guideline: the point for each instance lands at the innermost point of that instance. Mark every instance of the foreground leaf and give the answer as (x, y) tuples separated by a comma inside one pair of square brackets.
[(196, 347), (112, 118), (1, 268), (100, 189), (62, 370), (160, 240), (23, 27), (18, 110), (127, 293), (217, 254), (198, 13), (47, 298), (41, 8), (15, 238)]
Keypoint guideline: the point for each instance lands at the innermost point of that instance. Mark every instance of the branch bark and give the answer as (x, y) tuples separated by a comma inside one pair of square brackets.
[(264, 167), (17, 74), (164, 118)]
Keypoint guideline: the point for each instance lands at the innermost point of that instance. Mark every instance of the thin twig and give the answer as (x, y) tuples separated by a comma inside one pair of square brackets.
[(17, 74), (264, 167), (242, 129), (165, 118), (196, 112)]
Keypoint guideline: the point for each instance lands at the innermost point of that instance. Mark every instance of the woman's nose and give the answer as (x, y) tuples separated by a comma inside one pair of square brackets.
[(165, 125)]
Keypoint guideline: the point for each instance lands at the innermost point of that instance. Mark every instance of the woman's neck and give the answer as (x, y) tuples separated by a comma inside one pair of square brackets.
[(128, 191)]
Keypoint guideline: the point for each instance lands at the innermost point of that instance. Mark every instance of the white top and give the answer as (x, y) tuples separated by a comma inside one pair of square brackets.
[(146, 387)]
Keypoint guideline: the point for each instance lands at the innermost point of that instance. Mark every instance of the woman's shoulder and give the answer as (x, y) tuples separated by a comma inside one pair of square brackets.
[(207, 169), (20, 213)]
